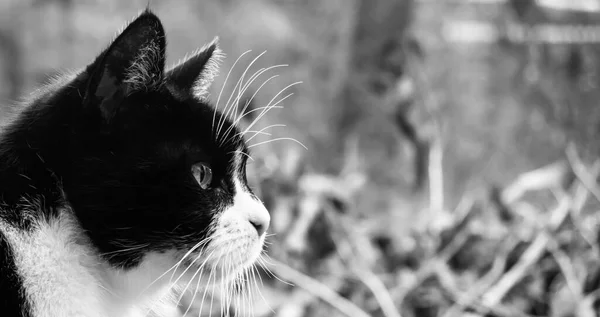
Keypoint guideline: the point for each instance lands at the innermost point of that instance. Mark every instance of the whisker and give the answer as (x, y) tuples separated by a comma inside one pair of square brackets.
[(278, 139), (269, 106), (250, 292), (205, 290), (245, 154), (223, 256), (256, 275), (208, 240), (239, 84), (176, 266), (254, 77), (239, 299), (243, 289), (264, 264), (211, 275), (223, 288), (243, 112), (141, 246), (246, 131), (261, 131), (230, 290), (212, 295), (258, 109), (223, 87), (195, 292), (255, 269), (263, 84), (199, 270), (204, 241)]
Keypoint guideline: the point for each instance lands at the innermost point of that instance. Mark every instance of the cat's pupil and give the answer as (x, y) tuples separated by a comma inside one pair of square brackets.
[(203, 175)]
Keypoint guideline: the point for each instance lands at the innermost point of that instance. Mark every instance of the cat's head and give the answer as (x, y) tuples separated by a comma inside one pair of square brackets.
[(155, 173)]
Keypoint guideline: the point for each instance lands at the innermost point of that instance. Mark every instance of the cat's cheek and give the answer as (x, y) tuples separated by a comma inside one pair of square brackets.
[(240, 230)]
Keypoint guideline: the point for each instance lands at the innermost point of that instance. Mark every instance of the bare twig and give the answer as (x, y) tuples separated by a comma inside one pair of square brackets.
[(361, 269), (448, 283), (470, 297), (585, 177), (533, 253), (539, 245), (464, 212), (431, 104), (528, 259), (380, 292), (436, 177), (566, 266), (549, 176), (318, 289)]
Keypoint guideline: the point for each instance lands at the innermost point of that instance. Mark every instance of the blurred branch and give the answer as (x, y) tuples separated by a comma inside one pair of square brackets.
[(318, 289), (431, 104), (498, 267), (549, 176), (436, 176), (537, 247), (587, 179), (445, 251), (568, 270), (376, 286), (446, 278), (533, 253), (360, 269)]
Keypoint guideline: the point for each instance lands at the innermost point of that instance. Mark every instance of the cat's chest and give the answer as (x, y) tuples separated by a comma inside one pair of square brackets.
[(53, 269), (61, 274)]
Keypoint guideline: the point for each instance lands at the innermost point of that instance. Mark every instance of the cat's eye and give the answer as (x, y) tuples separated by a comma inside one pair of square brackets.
[(203, 175)]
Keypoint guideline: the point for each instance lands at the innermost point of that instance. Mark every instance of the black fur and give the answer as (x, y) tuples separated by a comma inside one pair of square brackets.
[(120, 152)]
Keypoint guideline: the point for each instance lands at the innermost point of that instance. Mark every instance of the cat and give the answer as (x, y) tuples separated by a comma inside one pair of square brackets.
[(121, 180)]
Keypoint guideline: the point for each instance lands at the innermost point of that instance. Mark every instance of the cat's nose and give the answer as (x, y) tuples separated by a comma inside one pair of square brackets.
[(259, 226), (260, 219)]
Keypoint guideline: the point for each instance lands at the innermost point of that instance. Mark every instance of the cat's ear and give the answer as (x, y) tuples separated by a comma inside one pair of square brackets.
[(195, 74), (133, 62)]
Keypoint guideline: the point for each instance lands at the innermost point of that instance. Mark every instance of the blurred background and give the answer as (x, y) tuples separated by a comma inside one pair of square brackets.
[(452, 153)]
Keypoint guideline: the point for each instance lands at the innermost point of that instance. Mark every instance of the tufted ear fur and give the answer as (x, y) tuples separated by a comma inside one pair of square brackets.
[(133, 62), (195, 74)]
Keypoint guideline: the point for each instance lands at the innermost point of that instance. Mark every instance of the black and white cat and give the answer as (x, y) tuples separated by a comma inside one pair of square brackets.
[(120, 180)]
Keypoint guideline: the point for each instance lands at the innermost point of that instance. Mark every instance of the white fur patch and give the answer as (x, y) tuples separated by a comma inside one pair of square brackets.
[(234, 229), (63, 276), (53, 265)]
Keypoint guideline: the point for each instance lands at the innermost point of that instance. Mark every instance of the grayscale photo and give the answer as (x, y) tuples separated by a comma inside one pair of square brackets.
[(300, 158)]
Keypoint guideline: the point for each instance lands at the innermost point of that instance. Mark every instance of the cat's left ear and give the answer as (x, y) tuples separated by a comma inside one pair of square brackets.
[(134, 62), (195, 74)]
